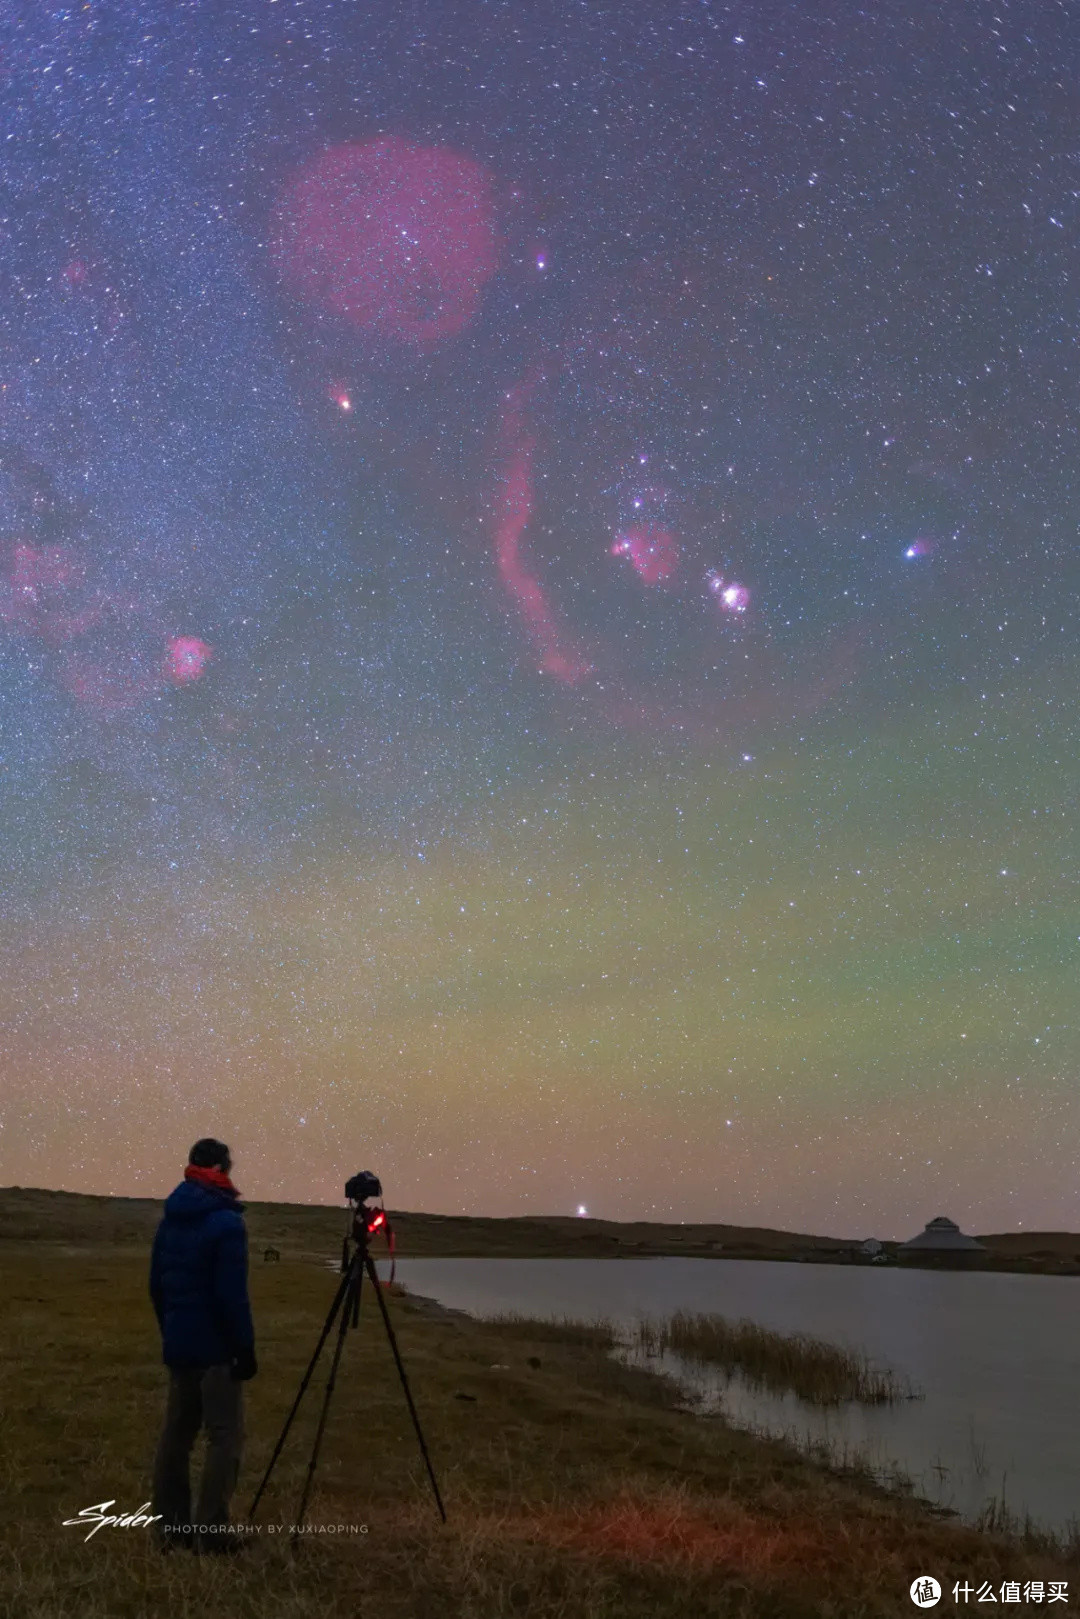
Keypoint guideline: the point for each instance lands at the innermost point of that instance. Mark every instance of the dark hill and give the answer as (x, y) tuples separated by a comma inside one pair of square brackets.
[(32, 1214)]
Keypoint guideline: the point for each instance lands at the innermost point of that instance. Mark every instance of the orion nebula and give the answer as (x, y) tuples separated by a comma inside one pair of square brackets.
[(728, 595)]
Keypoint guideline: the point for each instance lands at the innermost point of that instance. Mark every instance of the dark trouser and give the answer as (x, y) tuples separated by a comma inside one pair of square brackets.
[(199, 1397)]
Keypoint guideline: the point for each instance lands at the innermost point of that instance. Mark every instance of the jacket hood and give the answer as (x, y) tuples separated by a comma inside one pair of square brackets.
[(191, 1201)]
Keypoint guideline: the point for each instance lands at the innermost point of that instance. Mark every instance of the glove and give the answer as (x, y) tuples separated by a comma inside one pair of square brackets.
[(244, 1365)]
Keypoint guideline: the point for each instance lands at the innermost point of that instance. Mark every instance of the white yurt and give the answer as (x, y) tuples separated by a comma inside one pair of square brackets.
[(941, 1242)]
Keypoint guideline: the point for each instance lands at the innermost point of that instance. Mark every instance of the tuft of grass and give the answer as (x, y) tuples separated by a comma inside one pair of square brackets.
[(817, 1372), (997, 1518)]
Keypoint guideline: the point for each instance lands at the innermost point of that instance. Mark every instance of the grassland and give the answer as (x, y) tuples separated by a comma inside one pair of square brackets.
[(577, 1487)]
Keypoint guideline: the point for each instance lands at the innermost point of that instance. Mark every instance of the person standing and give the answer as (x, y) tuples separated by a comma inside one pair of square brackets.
[(199, 1290)]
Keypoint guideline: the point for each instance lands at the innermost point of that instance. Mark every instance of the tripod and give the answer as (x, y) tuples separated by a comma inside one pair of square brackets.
[(346, 1307)]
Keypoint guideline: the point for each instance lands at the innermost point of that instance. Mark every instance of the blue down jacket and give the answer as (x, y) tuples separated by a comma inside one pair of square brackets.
[(198, 1278)]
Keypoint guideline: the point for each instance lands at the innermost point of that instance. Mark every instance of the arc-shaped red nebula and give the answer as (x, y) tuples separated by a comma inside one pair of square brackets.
[(513, 509)]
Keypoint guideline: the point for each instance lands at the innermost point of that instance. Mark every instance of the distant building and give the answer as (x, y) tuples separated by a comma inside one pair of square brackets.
[(941, 1243), (871, 1248)]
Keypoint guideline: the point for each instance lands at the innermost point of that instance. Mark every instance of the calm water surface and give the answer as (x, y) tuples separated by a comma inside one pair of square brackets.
[(996, 1356)]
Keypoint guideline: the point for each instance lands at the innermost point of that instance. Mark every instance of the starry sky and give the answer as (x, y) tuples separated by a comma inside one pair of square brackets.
[(538, 572)]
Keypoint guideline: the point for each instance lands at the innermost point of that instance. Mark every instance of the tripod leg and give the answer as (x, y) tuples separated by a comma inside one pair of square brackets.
[(369, 1265), (352, 1301), (339, 1298)]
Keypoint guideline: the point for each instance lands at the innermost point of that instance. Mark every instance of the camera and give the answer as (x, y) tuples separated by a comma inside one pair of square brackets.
[(362, 1186)]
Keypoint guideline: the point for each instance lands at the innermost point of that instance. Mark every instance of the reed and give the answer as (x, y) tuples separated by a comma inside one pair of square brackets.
[(815, 1371)]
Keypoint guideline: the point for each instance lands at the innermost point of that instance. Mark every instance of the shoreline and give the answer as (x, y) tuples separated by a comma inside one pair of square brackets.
[(889, 1478)]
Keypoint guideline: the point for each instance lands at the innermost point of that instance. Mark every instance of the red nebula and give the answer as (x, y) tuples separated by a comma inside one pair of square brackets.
[(109, 644), (395, 238), (693, 705), (35, 569), (514, 505), (185, 659), (44, 593), (653, 551)]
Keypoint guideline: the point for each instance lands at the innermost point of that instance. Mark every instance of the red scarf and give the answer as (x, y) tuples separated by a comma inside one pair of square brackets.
[(216, 1178)]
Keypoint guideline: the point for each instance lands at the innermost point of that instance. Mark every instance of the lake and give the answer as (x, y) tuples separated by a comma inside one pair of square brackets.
[(996, 1356)]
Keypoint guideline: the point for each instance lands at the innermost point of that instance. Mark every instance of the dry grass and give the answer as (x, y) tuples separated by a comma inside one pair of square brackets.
[(576, 1487), (598, 1334), (818, 1372)]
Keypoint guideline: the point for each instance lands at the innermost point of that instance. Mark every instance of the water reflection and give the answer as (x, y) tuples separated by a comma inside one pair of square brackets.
[(848, 1436)]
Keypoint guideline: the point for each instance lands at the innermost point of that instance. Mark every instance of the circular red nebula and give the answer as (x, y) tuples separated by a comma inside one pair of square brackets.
[(398, 239), (186, 658), (653, 551)]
